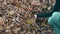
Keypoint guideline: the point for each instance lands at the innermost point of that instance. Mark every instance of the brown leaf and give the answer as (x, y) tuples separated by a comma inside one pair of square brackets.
[(1, 20)]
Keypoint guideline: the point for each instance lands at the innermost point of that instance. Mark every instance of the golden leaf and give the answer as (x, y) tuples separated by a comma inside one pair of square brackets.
[(29, 22)]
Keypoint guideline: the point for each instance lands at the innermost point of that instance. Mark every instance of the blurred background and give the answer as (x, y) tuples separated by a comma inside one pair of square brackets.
[(16, 16)]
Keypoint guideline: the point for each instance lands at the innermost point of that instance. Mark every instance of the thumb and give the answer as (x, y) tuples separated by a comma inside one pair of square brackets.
[(35, 16)]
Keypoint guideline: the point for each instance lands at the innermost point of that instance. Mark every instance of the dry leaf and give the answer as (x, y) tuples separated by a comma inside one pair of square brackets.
[(1, 28), (1, 20), (15, 30), (11, 12), (34, 2), (28, 21)]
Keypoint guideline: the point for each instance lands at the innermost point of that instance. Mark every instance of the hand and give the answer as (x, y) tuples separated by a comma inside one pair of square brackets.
[(34, 16)]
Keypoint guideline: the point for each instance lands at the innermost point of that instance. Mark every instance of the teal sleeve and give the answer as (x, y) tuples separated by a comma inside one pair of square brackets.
[(41, 15), (50, 20)]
